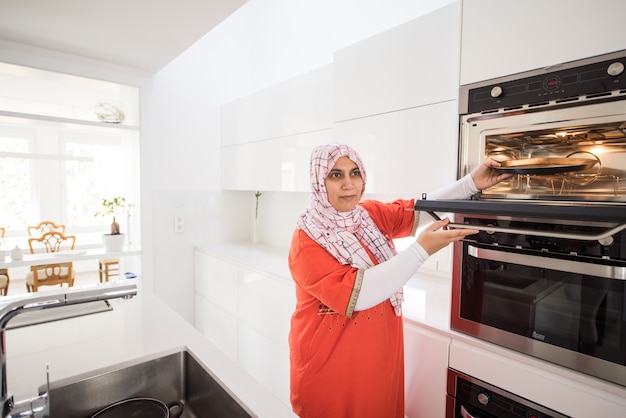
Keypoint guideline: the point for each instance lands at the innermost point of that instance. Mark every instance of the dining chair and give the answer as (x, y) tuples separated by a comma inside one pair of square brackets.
[(43, 227), (52, 273), (4, 273)]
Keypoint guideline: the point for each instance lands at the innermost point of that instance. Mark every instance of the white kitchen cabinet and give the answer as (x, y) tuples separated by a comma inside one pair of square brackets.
[(426, 365), (217, 325), (245, 166), (302, 104), (266, 360), (246, 313), (508, 37), (213, 281), (267, 137), (290, 159), (216, 301), (413, 64), (246, 119), (407, 152), (265, 303), (277, 164)]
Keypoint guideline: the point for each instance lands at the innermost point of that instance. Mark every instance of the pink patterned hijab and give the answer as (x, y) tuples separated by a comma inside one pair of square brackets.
[(343, 234)]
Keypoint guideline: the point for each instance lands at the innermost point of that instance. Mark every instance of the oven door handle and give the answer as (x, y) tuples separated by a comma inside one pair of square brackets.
[(569, 266), (465, 414), (604, 238)]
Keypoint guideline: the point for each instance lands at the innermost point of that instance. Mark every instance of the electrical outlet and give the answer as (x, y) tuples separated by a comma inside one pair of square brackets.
[(179, 223)]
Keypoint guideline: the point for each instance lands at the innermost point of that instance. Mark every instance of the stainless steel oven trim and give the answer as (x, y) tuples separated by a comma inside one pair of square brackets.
[(569, 266)]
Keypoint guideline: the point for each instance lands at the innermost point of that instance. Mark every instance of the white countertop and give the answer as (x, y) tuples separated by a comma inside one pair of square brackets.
[(134, 328)]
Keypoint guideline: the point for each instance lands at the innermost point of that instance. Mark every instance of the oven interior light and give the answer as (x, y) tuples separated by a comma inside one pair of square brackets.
[(596, 150)]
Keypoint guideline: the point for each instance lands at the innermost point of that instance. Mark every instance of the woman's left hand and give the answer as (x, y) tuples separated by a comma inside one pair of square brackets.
[(487, 174), (437, 236)]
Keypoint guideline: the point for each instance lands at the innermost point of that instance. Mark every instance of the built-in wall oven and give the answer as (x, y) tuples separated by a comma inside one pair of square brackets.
[(546, 274)]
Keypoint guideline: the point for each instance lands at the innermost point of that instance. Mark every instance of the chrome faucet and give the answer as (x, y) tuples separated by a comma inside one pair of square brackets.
[(11, 306)]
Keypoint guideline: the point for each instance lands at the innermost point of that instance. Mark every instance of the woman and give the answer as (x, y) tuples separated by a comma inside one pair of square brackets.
[(346, 338)]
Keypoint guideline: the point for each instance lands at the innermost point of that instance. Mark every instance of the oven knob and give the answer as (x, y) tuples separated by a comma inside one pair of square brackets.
[(496, 91), (615, 69), (483, 398)]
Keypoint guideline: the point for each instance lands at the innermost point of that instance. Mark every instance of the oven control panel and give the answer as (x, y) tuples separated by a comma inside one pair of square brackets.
[(557, 83)]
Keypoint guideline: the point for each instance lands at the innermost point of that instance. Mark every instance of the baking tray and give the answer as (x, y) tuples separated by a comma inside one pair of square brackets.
[(546, 165)]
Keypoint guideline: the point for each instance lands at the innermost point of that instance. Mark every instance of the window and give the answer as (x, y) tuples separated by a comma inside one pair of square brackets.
[(59, 158)]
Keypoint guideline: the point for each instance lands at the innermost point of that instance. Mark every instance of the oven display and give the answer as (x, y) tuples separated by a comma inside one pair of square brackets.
[(552, 82)]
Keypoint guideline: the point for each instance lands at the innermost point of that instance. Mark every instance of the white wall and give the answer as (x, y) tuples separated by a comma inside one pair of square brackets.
[(262, 44)]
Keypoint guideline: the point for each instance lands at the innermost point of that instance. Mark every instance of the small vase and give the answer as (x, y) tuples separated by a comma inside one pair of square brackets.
[(255, 236)]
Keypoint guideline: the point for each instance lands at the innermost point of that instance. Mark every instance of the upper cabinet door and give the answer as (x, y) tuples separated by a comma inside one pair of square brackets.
[(406, 153), (267, 137), (508, 37), (413, 64), (246, 119), (299, 105), (302, 104)]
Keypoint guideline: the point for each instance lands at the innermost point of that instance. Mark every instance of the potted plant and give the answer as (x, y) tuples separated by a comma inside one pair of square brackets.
[(113, 241)]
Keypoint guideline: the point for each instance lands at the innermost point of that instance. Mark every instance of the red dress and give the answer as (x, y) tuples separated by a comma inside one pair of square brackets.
[(345, 364)]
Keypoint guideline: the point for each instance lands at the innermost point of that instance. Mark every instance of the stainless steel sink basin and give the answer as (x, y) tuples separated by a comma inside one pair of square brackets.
[(168, 377)]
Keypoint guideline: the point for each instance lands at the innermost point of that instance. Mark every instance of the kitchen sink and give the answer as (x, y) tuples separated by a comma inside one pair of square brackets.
[(175, 376)]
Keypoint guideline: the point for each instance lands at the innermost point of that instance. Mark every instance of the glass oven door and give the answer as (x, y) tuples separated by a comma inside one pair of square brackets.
[(593, 133), (567, 309)]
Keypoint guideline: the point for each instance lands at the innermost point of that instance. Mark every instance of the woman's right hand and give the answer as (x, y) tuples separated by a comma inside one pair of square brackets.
[(435, 236)]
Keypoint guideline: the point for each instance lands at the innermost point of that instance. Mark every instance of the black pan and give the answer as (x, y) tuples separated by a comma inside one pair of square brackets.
[(141, 408), (546, 165)]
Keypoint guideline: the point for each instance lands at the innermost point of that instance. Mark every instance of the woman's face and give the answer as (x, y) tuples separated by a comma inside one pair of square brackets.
[(344, 185)]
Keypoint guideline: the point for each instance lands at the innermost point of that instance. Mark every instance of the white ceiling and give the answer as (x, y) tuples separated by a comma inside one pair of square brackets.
[(142, 34)]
